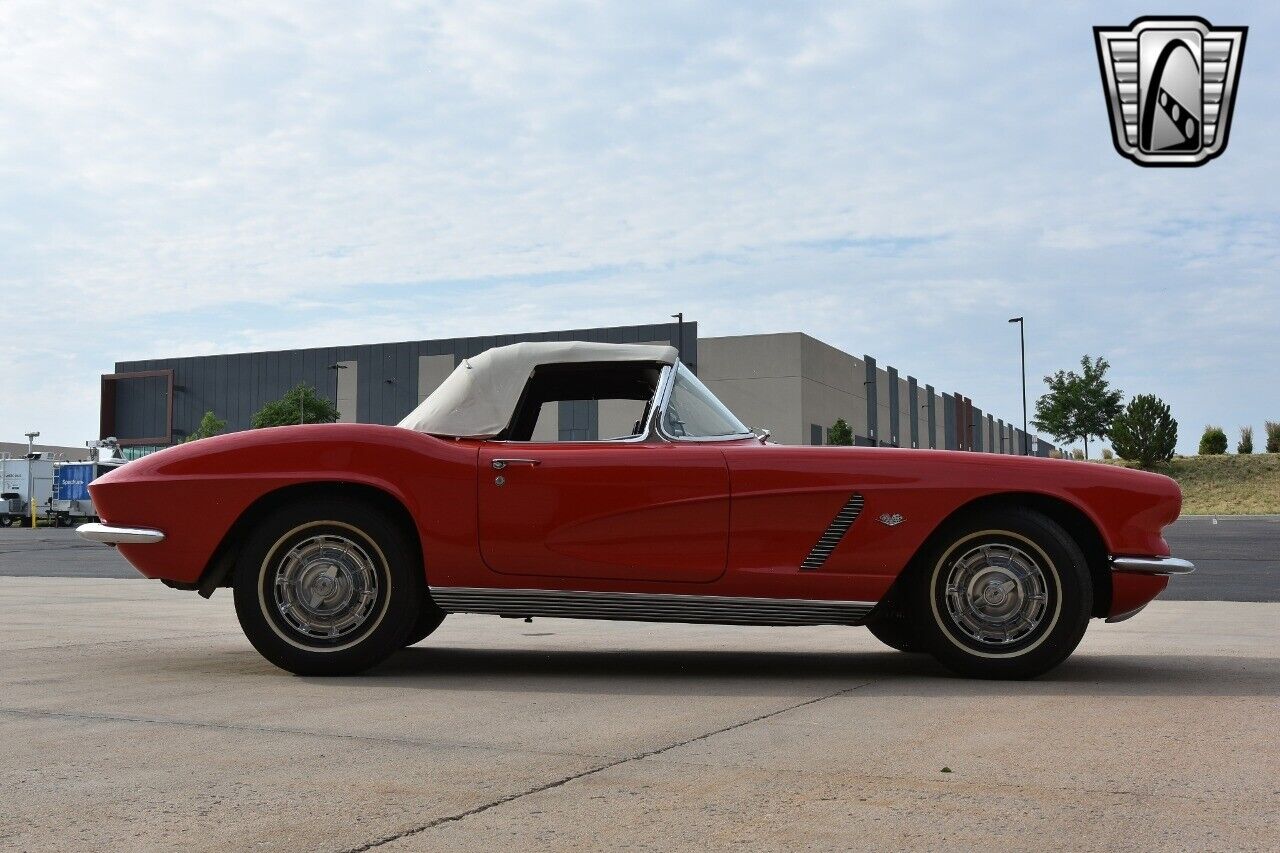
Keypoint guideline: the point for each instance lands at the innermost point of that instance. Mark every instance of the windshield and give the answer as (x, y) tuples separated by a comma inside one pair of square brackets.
[(694, 412)]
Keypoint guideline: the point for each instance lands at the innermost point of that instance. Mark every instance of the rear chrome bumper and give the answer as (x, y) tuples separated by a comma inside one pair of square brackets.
[(111, 534), (1153, 565)]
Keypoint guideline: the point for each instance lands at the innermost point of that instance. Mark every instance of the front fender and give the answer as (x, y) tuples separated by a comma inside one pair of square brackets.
[(195, 493)]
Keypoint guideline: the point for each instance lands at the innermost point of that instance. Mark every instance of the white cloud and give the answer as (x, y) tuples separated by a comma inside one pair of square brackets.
[(896, 180)]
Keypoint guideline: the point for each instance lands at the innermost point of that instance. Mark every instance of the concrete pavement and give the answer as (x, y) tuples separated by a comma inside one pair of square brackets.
[(136, 717)]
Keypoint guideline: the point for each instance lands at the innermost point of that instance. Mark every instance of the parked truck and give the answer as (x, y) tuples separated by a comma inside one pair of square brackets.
[(70, 500), (24, 479)]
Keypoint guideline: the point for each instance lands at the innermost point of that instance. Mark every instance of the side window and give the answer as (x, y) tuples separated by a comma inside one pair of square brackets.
[(584, 402), (694, 412)]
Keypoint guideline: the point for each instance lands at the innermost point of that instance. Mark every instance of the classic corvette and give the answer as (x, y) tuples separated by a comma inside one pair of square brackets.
[(345, 542)]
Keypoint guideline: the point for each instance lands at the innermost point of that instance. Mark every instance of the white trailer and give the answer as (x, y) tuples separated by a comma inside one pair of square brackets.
[(24, 479)]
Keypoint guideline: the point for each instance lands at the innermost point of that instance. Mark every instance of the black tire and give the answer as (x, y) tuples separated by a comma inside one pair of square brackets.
[(988, 571), (896, 631), (429, 619), (5, 520), (376, 587)]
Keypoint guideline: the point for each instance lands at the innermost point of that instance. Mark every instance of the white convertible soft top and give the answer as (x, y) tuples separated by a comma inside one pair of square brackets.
[(478, 399)]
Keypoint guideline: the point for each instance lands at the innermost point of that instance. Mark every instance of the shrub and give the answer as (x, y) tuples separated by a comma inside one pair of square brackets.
[(1246, 440), (1055, 454), (300, 404), (1213, 442), (840, 434), (1077, 453), (1273, 436), (210, 425), (1107, 454), (1145, 432)]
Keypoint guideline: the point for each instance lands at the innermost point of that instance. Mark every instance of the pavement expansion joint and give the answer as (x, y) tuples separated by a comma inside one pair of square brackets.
[(591, 771)]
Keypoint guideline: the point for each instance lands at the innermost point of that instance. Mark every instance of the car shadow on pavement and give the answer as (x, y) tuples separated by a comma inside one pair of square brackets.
[(735, 672)]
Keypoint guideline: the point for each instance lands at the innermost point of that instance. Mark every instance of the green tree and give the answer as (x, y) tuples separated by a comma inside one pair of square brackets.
[(1145, 432), (1213, 442), (840, 434), (210, 425), (1273, 436), (1079, 405), (1246, 440), (300, 404)]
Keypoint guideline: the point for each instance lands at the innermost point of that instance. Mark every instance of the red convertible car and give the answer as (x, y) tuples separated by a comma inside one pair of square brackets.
[(345, 542)]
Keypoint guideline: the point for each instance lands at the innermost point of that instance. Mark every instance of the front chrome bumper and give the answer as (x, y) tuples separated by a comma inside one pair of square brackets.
[(1153, 565), (111, 534)]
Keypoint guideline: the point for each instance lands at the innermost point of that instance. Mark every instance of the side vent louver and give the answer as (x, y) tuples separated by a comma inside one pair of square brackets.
[(835, 531)]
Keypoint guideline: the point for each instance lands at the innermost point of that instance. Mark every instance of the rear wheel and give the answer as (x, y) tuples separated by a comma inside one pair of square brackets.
[(1003, 594), (328, 587)]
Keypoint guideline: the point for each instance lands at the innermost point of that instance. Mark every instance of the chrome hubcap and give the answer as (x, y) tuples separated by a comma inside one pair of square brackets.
[(325, 586), (996, 594)]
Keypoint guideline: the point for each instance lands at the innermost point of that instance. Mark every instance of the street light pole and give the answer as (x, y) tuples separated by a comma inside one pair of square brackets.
[(31, 477), (1022, 341), (679, 318)]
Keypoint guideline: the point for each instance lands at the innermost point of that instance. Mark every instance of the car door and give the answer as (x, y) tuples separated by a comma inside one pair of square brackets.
[(624, 509)]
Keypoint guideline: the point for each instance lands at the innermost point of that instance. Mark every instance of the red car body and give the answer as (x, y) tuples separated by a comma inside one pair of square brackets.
[(714, 518)]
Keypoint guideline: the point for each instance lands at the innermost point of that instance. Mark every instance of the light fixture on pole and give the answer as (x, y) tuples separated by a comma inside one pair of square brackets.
[(679, 318), (1022, 340)]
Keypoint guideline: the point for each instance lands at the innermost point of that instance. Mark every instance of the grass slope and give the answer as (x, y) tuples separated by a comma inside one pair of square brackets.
[(1226, 485)]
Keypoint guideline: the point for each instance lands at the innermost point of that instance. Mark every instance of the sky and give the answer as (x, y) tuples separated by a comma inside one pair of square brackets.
[(894, 179)]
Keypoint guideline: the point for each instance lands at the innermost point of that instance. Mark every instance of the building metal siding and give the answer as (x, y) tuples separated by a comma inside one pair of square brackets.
[(873, 419), (895, 422)]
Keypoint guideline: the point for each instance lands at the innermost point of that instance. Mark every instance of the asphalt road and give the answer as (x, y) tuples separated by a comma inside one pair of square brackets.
[(1237, 558)]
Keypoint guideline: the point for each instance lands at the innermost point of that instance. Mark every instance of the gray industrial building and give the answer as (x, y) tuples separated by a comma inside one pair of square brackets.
[(792, 384)]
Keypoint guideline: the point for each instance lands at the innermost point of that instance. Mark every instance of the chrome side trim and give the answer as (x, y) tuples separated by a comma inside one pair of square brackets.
[(650, 607), (1153, 565), (110, 534), (835, 531)]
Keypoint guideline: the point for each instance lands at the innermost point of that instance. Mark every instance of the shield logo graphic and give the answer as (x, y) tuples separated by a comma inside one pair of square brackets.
[(1170, 85)]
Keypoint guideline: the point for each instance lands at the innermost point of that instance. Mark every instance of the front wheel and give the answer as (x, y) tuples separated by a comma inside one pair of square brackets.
[(328, 587), (896, 631), (1003, 594), (429, 619)]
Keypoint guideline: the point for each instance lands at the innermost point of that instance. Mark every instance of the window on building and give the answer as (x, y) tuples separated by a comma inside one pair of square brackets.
[(815, 434)]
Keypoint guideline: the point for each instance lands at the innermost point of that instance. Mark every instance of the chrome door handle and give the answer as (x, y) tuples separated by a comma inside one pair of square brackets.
[(499, 464)]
